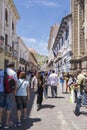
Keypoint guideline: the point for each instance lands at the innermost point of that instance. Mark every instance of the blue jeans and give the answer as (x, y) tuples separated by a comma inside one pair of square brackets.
[(46, 91), (78, 105), (54, 90), (6, 100)]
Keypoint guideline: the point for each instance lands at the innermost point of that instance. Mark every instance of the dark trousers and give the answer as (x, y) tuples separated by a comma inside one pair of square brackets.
[(39, 95), (54, 91), (75, 92)]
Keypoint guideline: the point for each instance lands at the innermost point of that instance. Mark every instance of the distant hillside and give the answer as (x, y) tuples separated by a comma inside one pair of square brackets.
[(42, 59)]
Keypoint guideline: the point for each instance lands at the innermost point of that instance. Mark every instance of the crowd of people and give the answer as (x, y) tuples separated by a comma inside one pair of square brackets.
[(20, 96), (39, 83)]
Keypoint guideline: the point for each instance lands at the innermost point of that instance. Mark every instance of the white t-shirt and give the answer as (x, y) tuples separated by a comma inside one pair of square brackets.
[(34, 82), (9, 72), (12, 73), (22, 91), (53, 79)]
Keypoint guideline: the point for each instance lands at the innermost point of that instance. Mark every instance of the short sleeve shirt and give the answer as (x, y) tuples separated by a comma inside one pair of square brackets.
[(22, 91)]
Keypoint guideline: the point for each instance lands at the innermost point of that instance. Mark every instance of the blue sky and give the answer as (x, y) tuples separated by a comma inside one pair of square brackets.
[(37, 17)]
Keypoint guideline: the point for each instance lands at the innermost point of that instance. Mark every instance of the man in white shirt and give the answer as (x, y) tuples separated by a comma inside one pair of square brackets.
[(6, 100), (53, 83), (34, 82)]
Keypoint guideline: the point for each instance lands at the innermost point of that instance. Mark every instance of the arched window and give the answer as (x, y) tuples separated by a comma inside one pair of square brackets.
[(12, 25), (6, 15)]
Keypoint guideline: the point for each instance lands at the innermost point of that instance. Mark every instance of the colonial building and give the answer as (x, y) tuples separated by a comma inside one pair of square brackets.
[(79, 34), (52, 36), (33, 62), (62, 46), (23, 55), (8, 36)]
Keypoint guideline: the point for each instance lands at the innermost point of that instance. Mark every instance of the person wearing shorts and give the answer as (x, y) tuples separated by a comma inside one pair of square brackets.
[(22, 97), (6, 100)]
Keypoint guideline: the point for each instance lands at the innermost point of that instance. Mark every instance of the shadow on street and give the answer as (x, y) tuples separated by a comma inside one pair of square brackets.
[(47, 106), (25, 123), (56, 97)]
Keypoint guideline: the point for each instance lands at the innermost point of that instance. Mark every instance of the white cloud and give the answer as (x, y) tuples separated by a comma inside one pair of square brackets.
[(47, 3), (29, 40), (39, 45), (41, 2)]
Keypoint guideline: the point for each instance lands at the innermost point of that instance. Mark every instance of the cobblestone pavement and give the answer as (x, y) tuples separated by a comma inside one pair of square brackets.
[(55, 114)]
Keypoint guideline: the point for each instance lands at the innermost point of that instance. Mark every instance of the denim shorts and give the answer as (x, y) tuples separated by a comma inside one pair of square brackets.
[(6, 100)]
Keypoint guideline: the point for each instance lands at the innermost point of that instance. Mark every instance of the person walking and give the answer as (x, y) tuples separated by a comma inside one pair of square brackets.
[(46, 79), (22, 97), (40, 86), (53, 78), (34, 82), (67, 76), (62, 81), (80, 92), (6, 100)]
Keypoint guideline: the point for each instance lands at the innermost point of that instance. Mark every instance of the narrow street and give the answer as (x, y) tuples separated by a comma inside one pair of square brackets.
[(55, 114), (45, 36)]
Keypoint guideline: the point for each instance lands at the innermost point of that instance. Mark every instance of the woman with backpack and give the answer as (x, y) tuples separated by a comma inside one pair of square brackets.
[(22, 97)]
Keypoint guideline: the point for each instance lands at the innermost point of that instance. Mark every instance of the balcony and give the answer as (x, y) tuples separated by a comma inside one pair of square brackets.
[(15, 54), (23, 61), (1, 43), (8, 50)]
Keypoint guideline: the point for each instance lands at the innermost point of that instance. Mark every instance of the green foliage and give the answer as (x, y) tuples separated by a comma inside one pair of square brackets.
[(42, 59)]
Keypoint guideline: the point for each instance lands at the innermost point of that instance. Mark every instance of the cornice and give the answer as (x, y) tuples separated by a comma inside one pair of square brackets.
[(13, 7)]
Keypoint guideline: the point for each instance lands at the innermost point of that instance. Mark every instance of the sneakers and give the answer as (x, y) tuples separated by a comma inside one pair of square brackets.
[(8, 125), (55, 96), (18, 124), (38, 107), (76, 113), (24, 117), (0, 125), (46, 97)]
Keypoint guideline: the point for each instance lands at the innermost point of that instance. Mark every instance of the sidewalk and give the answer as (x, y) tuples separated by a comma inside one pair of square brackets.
[(55, 114)]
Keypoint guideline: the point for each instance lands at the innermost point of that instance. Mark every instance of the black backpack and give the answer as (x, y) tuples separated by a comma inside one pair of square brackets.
[(9, 83)]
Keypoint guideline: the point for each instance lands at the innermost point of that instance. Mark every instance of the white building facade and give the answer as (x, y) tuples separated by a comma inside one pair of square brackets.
[(23, 55), (62, 46), (52, 36), (8, 36)]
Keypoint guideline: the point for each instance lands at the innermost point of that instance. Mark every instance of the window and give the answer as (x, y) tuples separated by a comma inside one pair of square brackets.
[(54, 52), (59, 45), (62, 41), (6, 39), (5, 63), (75, 66), (67, 33), (12, 26), (6, 16), (13, 45)]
